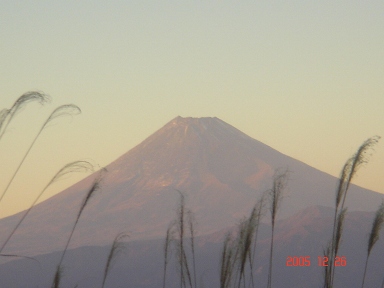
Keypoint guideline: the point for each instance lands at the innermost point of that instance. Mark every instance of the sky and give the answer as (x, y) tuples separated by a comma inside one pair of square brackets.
[(304, 77)]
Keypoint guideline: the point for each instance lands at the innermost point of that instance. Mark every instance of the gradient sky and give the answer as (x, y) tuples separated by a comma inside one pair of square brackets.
[(304, 77)]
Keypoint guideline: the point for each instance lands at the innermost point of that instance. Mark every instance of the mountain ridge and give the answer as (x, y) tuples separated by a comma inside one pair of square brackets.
[(221, 170)]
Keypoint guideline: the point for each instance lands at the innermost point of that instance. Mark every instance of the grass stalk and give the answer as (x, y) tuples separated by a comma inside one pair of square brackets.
[(183, 224), (259, 208), (187, 270), (57, 278), (236, 254), (275, 195), (327, 271), (348, 172), (117, 248), (191, 221), (77, 166), (245, 246), (168, 239), (95, 187), (63, 110), (185, 275), (374, 235), (7, 115), (180, 225), (226, 262), (339, 229)]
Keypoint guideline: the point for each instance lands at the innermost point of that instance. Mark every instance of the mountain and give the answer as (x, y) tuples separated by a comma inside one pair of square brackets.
[(302, 234), (221, 170)]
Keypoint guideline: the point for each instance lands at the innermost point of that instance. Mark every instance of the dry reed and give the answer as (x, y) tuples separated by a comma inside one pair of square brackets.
[(77, 166), (374, 235), (348, 172), (95, 187), (275, 195), (117, 248), (63, 110)]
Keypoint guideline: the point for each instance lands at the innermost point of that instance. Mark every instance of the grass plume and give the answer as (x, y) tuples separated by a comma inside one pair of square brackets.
[(76, 166), (259, 210), (241, 249), (63, 110), (356, 161), (7, 115), (348, 172), (176, 234), (227, 262), (236, 253), (117, 248), (374, 235), (95, 187), (248, 236), (275, 195)]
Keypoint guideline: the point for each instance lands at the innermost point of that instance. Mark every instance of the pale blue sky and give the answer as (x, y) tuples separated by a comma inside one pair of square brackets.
[(305, 77)]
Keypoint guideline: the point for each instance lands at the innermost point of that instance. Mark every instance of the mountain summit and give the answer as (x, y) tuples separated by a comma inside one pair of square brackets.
[(221, 170)]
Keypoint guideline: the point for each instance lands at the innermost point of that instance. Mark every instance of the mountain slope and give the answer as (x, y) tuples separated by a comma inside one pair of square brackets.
[(220, 169)]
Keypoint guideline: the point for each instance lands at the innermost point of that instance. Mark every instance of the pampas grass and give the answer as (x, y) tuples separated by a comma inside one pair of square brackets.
[(259, 211), (237, 252), (76, 166), (374, 235), (246, 234), (275, 195), (226, 262), (185, 274), (95, 187), (348, 172), (176, 233), (63, 110), (168, 239), (117, 248), (191, 221), (6, 115)]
